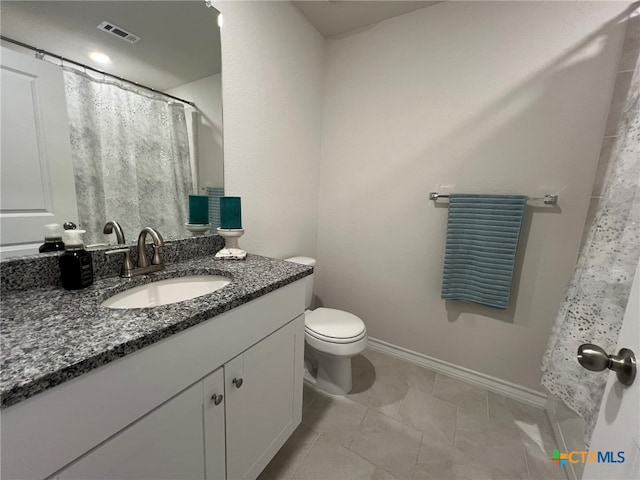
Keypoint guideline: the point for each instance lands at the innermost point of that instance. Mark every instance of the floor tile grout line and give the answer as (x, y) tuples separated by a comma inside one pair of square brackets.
[(295, 470), (358, 455), (524, 455), (397, 420), (526, 463), (488, 411), (455, 431), (361, 421), (378, 466), (432, 395), (309, 404), (415, 464)]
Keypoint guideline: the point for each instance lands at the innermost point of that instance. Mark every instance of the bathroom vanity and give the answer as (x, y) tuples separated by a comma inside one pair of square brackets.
[(206, 388)]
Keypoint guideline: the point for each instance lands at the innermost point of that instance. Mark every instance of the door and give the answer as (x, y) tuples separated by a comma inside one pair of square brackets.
[(262, 386), (36, 173), (617, 432)]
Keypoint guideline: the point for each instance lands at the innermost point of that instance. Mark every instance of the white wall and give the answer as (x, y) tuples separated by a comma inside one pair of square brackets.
[(272, 95), (478, 97), (206, 93)]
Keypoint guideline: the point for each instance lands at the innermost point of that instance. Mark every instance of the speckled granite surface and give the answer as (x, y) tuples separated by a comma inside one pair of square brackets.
[(49, 335)]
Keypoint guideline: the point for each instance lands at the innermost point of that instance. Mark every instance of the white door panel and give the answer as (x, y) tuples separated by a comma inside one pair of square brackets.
[(618, 427), (37, 184), (165, 444), (261, 412)]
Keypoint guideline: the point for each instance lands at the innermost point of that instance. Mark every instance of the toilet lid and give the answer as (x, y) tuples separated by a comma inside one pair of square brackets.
[(334, 325)]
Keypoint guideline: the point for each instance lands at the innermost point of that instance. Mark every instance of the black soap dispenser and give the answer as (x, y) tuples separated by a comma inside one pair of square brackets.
[(52, 239), (76, 267)]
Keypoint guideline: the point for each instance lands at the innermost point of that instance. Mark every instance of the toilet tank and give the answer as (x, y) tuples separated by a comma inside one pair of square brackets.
[(308, 280)]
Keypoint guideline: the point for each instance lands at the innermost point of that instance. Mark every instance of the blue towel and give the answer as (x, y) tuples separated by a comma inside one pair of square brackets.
[(482, 239)]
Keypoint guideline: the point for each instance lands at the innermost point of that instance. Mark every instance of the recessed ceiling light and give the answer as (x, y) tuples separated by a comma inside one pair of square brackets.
[(99, 57)]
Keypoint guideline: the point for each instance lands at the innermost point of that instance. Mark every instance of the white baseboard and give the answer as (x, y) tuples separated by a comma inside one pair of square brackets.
[(507, 389)]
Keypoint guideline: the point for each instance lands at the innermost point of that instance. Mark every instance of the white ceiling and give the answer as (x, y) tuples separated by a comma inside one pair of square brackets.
[(180, 40), (336, 17)]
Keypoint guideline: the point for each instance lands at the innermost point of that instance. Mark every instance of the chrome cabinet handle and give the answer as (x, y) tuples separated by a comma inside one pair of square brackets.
[(594, 358), (237, 382), (217, 399)]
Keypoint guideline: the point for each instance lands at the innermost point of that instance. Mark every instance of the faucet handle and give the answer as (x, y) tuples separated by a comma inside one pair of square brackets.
[(118, 250), (127, 266)]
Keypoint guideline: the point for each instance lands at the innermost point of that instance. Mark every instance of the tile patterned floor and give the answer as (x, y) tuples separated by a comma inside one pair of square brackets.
[(402, 421)]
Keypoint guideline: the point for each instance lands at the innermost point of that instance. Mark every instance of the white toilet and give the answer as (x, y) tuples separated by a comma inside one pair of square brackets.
[(332, 337)]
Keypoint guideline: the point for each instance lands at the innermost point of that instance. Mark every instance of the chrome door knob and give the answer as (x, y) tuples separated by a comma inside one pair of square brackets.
[(237, 382), (594, 358), (217, 399)]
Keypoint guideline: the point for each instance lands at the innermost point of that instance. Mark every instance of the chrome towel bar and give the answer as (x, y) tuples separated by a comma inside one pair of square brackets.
[(547, 199)]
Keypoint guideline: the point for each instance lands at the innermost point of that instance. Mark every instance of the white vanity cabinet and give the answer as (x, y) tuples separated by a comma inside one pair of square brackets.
[(157, 413), (255, 393)]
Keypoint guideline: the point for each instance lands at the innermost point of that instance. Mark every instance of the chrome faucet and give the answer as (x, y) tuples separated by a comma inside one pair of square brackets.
[(143, 267), (112, 226)]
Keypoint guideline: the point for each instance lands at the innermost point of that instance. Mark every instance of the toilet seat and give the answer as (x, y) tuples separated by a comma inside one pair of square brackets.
[(334, 326)]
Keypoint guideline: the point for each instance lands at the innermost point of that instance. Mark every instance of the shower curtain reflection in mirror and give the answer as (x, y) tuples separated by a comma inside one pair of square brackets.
[(131, 158)]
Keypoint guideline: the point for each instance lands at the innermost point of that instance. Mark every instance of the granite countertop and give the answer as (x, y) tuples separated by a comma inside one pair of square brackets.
[(50, 335)]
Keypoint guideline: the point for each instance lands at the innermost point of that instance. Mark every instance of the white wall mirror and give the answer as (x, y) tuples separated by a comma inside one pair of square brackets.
[(128, 145)]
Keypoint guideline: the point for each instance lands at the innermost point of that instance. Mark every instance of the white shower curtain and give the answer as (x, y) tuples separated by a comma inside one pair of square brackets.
[(597, 295), (131, 158)]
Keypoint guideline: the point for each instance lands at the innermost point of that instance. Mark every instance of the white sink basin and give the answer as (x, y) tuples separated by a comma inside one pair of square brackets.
[(167, 291)]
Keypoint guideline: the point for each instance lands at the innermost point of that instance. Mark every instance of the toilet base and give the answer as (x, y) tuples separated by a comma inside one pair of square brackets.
[(328, 373)]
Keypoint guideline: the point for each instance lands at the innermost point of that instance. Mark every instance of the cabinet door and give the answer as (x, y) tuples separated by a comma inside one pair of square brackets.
[(164, 444), (214, 434), (265, 408)]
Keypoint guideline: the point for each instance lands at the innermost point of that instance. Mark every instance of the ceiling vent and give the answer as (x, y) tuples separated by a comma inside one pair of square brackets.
[(118, 32)]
